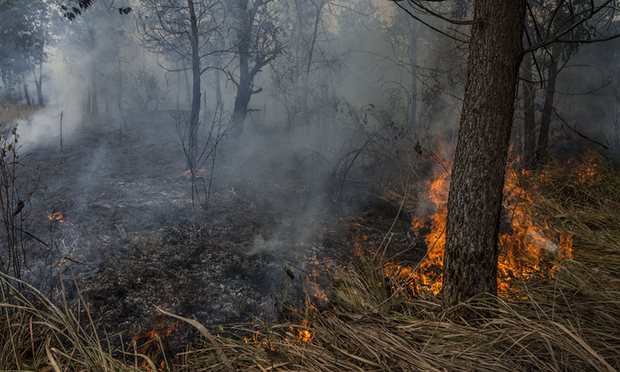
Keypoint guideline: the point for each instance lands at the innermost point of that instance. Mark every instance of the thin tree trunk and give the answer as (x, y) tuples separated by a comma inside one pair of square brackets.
[(187, 88), (529, 111), (545, 121), (195, 113), (217, 77), (474, 205), (94, 102), (119, 97), (413, 104), (315, 33), (218, 89), (310, 59), (38, 82), (244, 89), (26, 93)]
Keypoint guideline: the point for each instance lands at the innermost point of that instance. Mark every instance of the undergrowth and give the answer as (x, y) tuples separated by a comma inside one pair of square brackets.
[(569, 322)]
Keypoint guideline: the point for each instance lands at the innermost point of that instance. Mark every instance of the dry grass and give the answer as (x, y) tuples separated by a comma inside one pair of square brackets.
[(37, 334), (10, 113), (569, 322)]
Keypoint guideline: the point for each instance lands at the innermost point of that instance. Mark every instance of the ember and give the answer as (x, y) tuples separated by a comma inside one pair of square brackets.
[(197, 172), (152, 345), (317, 292), (56, 217), (304, 334), (588, 170)]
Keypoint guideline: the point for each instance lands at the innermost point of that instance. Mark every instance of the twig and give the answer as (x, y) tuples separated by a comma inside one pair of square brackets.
[(577, 132)]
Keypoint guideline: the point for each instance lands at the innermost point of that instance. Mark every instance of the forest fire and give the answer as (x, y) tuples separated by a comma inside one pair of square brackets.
[(588, 169), (317, 292), (527, 250), (152, 346), (304, 334), (428, 275)]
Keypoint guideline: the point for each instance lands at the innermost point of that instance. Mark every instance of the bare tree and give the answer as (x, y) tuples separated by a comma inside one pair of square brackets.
[(257, 45), (189, 31)]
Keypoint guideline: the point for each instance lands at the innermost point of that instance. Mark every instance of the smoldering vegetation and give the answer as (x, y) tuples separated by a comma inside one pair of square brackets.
[(127, 176), (231, 161)]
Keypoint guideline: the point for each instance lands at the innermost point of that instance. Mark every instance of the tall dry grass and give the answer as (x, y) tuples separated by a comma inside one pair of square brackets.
[(12, 112), (570, 322)]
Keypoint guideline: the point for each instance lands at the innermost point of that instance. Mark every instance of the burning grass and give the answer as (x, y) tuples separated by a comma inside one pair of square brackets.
[(528, 248), (566, 321)]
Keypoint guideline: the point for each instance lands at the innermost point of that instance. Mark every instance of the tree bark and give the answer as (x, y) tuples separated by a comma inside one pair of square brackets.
[(218, 89), (244, 88), (529, 111), (38, 82), (413, 104), (474, 204), (93, 102), (26, 93), (195, 112), (545, 121), (217, 78)]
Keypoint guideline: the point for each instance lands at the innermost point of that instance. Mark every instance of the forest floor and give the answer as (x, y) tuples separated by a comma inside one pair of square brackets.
[(131, 241), (279, 273)]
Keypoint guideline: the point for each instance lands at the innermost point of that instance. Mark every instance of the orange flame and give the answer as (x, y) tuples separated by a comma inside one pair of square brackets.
[(304, 334), (152, 346), (588, 170), (56, 217), (525, 251), (317, 292)]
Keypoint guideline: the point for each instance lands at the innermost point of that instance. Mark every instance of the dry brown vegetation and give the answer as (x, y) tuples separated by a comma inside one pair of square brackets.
[(568, 322), (10, 113)]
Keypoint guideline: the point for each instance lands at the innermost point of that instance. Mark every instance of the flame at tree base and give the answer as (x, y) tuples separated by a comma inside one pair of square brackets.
[(527, 250)]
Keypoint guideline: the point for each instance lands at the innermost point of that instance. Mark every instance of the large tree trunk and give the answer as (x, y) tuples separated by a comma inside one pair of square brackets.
[(474, 205), (545, 121), (529, 112), (195, 113)]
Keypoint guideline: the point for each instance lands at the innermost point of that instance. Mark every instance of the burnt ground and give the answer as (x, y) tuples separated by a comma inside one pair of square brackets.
[(132, 241)]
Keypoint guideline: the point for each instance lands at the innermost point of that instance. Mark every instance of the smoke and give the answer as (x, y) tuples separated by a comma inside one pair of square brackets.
[(315, 146), (587, 99), (66, 88)]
